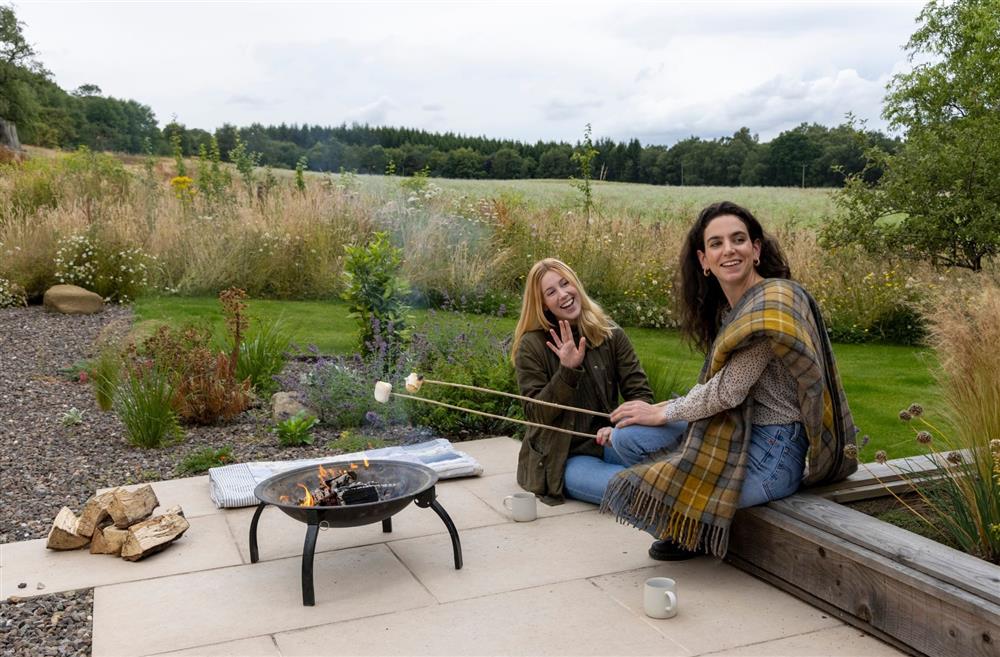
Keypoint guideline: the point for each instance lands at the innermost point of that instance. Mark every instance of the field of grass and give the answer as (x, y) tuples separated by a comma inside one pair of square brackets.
[(776, 207), (879, 379)]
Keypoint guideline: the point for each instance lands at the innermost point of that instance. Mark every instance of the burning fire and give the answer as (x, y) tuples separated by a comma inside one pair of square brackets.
[(324, 476), (308, 499)]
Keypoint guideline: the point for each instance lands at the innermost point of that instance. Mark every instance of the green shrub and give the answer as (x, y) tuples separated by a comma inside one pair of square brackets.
[(94, 178), (300, 174), (116, 271), (34, 185), (341, 390), (104, 372), (203, 459), (213, 180), (143, 400), (417, 183), (206, 386), (263, 355), (245, 161), (11, 294), (296, 430), (376, 294), (470, 352)]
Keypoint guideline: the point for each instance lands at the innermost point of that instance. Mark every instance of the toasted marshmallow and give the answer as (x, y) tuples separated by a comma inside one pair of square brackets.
[(382, 391), (413, 382)]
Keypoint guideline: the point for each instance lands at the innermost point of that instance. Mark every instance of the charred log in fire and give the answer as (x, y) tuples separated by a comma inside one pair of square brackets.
[(340, 488)]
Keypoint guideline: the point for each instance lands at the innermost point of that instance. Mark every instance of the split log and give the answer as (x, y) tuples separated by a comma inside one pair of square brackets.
[(151, 536), (95, 513), (129, 507), (63, 534), (108, 540)]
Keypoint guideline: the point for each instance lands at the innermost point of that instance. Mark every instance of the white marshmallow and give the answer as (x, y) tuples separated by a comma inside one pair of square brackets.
[(382, 391), (413, 382)]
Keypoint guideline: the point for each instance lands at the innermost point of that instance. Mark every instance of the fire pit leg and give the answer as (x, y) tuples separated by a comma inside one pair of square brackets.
[(429, 499), (308, 550), (254, 555), (387, 526)]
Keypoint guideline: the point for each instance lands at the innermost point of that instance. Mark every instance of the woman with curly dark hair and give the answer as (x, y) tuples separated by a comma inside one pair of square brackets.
[(768, 413)]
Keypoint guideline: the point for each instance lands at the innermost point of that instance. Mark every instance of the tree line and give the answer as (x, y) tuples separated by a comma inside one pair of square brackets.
[(809, 155)]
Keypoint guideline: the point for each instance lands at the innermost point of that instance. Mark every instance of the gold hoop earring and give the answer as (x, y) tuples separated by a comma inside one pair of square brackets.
[(756, 261), (708, 272)]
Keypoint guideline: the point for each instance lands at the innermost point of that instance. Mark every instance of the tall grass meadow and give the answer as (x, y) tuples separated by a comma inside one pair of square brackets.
[(464, 242)]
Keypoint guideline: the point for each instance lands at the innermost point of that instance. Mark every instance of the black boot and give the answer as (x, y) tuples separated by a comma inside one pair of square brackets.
[(670, 551)]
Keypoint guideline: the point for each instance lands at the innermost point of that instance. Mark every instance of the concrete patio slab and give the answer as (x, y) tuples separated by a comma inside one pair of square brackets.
[(496, 455), (493, 489), (261, 646), (207, 544), (569, 583), (521, 555), (191, 493), (709, 590), (569, 618), (239, 602), (280, 536), (843, 641)]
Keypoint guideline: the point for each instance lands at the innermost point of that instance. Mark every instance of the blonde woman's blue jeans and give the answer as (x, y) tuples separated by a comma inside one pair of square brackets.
[(586, 477)]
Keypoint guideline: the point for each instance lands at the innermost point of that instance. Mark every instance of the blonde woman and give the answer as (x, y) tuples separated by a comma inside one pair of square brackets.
[(566, 350)]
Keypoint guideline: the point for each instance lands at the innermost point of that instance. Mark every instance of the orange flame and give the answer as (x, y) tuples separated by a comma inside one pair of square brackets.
[(308, 499), (365, 457)]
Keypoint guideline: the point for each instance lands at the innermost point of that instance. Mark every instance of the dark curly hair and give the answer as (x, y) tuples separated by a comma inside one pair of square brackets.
[(701, 297)]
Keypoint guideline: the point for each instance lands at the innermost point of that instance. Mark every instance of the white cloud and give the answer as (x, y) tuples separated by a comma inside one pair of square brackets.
[(657, 71), (376, 112)]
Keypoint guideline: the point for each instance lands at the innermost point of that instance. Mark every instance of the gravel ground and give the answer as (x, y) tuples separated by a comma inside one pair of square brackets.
[(45, 465)]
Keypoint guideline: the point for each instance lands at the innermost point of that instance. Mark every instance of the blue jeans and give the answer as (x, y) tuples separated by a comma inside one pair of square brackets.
[(586, 477), (775, 462)]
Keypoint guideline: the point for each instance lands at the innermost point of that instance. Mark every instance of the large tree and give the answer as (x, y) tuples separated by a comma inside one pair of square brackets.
[(17, 68), (938, 198)]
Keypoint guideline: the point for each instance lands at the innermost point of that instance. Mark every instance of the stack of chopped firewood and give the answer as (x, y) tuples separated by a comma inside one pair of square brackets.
[(118, 522)]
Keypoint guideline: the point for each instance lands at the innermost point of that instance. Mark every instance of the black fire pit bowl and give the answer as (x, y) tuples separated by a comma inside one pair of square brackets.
[(399, 482), (403, 480)]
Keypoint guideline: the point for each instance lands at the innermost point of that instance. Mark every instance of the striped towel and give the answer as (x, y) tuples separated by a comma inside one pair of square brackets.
[(232, 486)]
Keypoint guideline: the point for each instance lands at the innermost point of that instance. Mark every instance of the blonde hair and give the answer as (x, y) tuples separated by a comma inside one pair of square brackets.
[(593, 323)]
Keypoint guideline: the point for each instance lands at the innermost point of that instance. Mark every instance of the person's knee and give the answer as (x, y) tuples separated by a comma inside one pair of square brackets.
[(638, 442), (629, 444)]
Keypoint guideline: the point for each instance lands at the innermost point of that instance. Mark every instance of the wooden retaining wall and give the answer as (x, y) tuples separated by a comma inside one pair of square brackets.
[(914, 593)]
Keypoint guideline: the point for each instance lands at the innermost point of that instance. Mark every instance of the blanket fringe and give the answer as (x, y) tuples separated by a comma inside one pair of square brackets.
[(632, 506)]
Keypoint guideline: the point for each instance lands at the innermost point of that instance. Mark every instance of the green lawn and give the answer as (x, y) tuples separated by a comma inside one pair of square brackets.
[(879, 379)]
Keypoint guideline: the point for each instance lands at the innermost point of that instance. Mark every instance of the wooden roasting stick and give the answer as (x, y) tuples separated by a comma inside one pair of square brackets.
[(521, 397), (414, 381), (498, 417)]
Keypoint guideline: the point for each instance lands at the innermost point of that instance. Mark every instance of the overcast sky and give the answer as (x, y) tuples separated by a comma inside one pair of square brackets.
[(658, 71)]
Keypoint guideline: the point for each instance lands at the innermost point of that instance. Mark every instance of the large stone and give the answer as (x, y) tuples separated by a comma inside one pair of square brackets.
[(10, 147), (284, 405), (72, 300)]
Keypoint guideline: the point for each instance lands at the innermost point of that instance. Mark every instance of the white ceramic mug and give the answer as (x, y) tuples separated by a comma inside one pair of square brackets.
[(522, 506), (659, 598)]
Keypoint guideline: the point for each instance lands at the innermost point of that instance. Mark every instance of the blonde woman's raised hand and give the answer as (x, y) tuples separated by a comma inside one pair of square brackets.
[(562, 345)]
